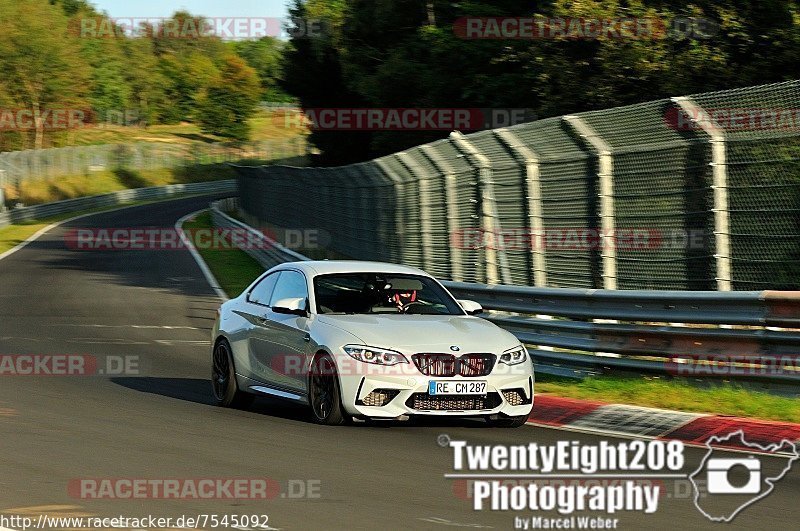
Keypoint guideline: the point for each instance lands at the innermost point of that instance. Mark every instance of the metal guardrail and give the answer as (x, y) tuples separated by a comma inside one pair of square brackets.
[(755, 308), (688, 334), (681, 333), (112, 199), (270, 254)]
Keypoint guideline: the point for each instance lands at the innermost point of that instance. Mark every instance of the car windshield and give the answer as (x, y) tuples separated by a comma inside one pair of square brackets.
[(379, 293)]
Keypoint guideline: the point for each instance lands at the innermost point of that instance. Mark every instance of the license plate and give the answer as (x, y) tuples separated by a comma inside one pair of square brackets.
[(449, 387)]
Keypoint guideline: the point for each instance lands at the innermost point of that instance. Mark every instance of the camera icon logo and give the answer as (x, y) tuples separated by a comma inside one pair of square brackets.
[(733, 474), (721, 479)]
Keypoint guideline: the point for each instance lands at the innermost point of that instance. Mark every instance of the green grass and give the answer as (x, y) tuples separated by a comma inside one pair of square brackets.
[(234, 269), (265, 125), (13, 235), (38, 191), (718, 398)]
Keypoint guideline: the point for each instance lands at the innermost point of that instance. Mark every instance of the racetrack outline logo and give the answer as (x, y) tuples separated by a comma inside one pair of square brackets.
[(769, 480)]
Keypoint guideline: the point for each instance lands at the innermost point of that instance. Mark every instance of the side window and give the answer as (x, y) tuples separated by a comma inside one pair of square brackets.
[(263, 290), (291, 285)]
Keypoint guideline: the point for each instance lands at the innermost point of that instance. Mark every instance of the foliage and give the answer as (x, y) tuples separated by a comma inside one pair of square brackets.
[(48, 61), (381, 53), (229, 100)]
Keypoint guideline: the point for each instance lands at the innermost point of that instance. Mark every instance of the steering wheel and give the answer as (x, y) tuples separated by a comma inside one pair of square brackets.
[(408, 306)]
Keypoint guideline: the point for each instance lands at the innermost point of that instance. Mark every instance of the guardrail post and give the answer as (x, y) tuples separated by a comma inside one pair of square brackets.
[(608, 246), (533, 202), (490, 220), (451, 200), (424, 213), (720, 186)]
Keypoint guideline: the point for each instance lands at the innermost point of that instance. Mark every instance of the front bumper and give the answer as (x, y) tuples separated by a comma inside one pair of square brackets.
[(510, 395)]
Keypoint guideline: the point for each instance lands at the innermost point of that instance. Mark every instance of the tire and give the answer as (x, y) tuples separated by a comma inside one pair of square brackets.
[(507, 422), (223, 379), (324, 393)]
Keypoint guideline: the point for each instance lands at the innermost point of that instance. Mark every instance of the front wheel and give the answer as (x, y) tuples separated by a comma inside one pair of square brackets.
[(507, 422), (223, 379), (324, 393)]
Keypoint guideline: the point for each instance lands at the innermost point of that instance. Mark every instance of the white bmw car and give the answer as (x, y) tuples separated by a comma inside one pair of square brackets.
[(367, 340)]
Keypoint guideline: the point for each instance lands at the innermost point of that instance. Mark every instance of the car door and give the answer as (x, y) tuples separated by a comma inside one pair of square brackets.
[(255, 310), (282, 341)]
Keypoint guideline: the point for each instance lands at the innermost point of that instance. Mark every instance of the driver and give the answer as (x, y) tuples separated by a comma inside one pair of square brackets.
[(401, 299)]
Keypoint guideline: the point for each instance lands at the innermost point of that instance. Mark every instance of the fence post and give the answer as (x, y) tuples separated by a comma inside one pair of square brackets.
[(399, 192), (424, 212), (722, 231), (451, 204), (2, 190), (605, 174), (533, 202), (490, 219)]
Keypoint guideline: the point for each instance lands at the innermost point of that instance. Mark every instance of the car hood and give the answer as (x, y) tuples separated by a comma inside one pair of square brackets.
[(425, 333)]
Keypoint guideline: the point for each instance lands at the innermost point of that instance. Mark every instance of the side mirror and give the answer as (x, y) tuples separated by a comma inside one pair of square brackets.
[(471, 307), (295, 306)]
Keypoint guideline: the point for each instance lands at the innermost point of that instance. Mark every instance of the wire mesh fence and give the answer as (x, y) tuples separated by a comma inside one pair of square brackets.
[(16, 166), (699, 192)]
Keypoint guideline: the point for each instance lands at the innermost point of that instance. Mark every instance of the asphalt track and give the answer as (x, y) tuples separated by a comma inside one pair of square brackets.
[(160, 424)]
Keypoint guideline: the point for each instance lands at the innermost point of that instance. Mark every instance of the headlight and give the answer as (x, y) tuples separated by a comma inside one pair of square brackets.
[(378, 356), (514, 356)]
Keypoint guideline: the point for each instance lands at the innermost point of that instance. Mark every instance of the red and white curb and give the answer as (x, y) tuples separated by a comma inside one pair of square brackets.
[(618, 420)]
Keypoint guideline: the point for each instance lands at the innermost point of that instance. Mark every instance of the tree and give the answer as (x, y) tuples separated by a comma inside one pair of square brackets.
[(382, 53), (42, 63), (230, 101), (145, 79), (265, 56), (313, 74), (188, 64)]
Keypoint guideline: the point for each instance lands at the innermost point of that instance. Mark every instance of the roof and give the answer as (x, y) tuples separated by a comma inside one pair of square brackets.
[(326, 267)]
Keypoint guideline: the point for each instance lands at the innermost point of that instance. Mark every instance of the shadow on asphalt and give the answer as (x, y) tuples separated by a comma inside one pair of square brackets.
[(198, 391), (162, 271), (188, 389)]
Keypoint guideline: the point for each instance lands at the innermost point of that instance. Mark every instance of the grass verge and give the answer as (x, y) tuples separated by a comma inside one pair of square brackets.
[(234, 269), (719, 398), (47, 190), (266, 124), (38, 191)]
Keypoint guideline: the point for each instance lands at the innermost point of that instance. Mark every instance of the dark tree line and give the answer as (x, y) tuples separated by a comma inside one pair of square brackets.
[(388, 53)]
